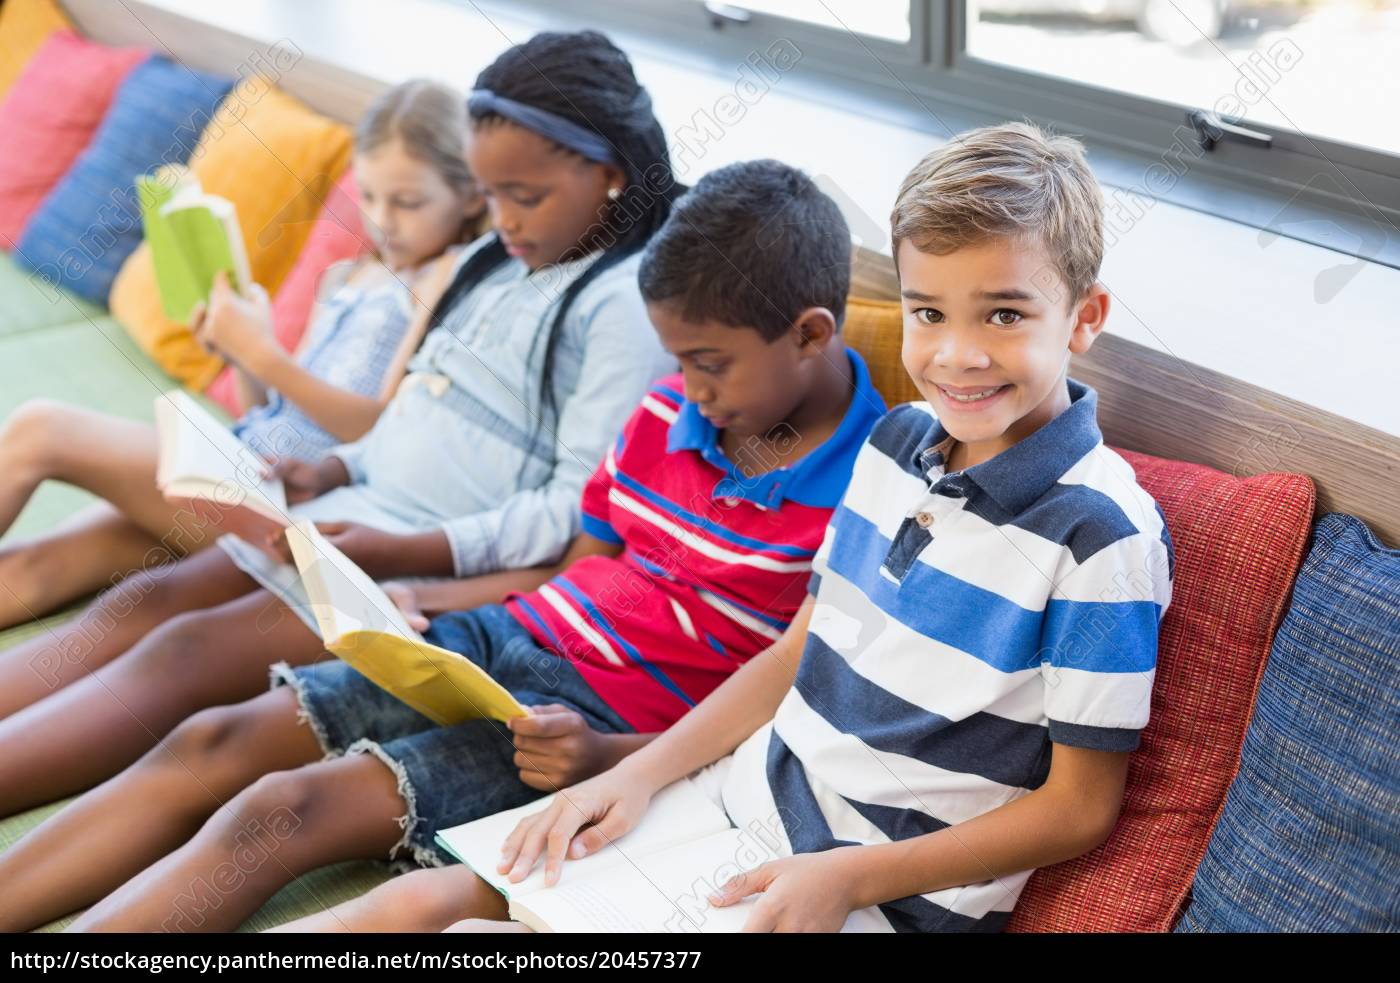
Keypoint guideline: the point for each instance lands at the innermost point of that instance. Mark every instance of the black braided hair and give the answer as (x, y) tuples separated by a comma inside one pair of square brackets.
[(586, 79)]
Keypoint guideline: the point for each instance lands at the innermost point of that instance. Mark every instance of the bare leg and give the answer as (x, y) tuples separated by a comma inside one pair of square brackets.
[(487, 925), (113, 623), (115, 831), (425, 900), (277, 829), (111, 457), (89, 731), (95, 549)]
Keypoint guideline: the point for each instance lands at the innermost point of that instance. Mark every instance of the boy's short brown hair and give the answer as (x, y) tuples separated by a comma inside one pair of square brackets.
[(1012, 180)]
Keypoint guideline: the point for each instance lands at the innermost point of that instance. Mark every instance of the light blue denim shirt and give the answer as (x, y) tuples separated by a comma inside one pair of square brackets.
[(353, 338), (464, 445)]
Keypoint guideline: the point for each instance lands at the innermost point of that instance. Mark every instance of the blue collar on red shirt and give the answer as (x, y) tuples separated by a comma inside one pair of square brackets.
[(818, 478)]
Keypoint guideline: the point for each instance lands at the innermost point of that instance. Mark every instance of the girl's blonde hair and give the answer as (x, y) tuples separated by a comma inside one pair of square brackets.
[(430, 120), (1009, 181)]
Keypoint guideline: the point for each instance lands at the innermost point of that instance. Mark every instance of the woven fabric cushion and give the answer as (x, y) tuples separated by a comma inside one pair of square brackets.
[(1310, 836), (50, 116), (1238, 543), (875, 328), (90, 223), (337, 234), (24, 27), (276, 161)]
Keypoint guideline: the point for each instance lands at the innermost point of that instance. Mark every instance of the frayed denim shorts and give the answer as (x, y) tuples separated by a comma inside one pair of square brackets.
[(446, 775)]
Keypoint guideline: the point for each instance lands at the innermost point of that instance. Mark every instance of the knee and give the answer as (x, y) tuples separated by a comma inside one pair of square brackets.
[(435, 896), (33, 437), (283, 800), (173, 651), (146, 591), (205, 740)]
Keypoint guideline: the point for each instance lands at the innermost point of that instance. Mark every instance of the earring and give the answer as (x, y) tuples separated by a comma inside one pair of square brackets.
[(614, 194)]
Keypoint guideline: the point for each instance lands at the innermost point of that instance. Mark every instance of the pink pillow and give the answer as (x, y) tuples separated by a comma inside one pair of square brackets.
[(337, 234), (1238, 545), (50, 116)]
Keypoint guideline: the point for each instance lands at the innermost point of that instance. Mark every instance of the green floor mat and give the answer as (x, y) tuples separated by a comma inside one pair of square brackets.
[(93, 364), (27, 304)]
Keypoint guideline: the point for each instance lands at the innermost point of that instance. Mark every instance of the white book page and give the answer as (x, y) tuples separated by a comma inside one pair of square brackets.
[(201, 458), (343, 597), (656, 892), (678, 813)]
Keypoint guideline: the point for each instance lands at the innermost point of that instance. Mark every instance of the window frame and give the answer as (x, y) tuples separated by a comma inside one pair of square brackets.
[(933, 83)]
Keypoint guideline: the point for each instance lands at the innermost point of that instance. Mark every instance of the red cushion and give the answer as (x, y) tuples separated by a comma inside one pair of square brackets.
[(50, 116), (1238, 545), (338, 233)]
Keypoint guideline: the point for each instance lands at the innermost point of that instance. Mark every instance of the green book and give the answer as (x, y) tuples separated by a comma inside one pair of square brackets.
[(193, 236)]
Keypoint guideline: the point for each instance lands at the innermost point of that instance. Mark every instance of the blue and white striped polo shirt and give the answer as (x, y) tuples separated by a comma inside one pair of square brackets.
[(963, 623)]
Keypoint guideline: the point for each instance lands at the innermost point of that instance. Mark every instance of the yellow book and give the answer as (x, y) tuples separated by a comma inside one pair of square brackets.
[(362, 626)]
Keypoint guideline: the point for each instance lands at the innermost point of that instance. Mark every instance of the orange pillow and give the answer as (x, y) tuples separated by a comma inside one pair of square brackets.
[(875, 328), (276, 161), (24, 27)]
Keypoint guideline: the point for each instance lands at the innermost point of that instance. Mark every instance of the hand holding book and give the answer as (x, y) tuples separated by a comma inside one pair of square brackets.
[(192, 237), (237, 326)]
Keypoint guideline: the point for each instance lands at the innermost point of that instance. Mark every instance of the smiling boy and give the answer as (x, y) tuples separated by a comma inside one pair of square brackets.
[(955, 703)]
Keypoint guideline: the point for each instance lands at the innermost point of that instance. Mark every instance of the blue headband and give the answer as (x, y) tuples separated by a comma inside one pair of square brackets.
[(562, 131)]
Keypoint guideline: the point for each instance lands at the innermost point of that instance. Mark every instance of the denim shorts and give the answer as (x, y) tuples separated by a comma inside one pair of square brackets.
[(446, 775)]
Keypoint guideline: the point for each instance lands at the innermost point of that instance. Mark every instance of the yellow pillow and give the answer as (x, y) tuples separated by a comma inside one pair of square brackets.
[(24, 27), (276, 161), (875, 328)]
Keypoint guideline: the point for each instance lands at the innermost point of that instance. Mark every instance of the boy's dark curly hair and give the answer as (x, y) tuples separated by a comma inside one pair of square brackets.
[(751, 245)]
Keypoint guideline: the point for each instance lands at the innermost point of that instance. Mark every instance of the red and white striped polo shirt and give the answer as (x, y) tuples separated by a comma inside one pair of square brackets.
[(715, 558)]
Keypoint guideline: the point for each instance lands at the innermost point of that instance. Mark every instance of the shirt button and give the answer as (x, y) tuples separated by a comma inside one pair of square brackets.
[(924, 519)]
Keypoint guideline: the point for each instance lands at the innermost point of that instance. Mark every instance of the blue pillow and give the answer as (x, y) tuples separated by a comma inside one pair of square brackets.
[(90, 222), (1309, 839)]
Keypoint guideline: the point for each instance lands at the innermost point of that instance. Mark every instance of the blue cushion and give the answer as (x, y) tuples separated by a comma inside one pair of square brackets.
[(90, 223), (1309, 839)]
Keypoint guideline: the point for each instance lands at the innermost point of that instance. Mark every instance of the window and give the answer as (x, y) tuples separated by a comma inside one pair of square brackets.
[(1276, 113), (1323, 67), (887, 19)]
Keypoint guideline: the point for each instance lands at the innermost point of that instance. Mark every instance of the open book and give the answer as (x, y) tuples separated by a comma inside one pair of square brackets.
[(205, 468), (657, 878), (192, 235), (360, 624)]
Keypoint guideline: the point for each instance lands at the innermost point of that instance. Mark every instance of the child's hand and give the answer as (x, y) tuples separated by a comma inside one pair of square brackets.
[(302, 480), (805, 893), (372, 550), (555, 748), (609, 806), (406, 601), (236, 326)]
